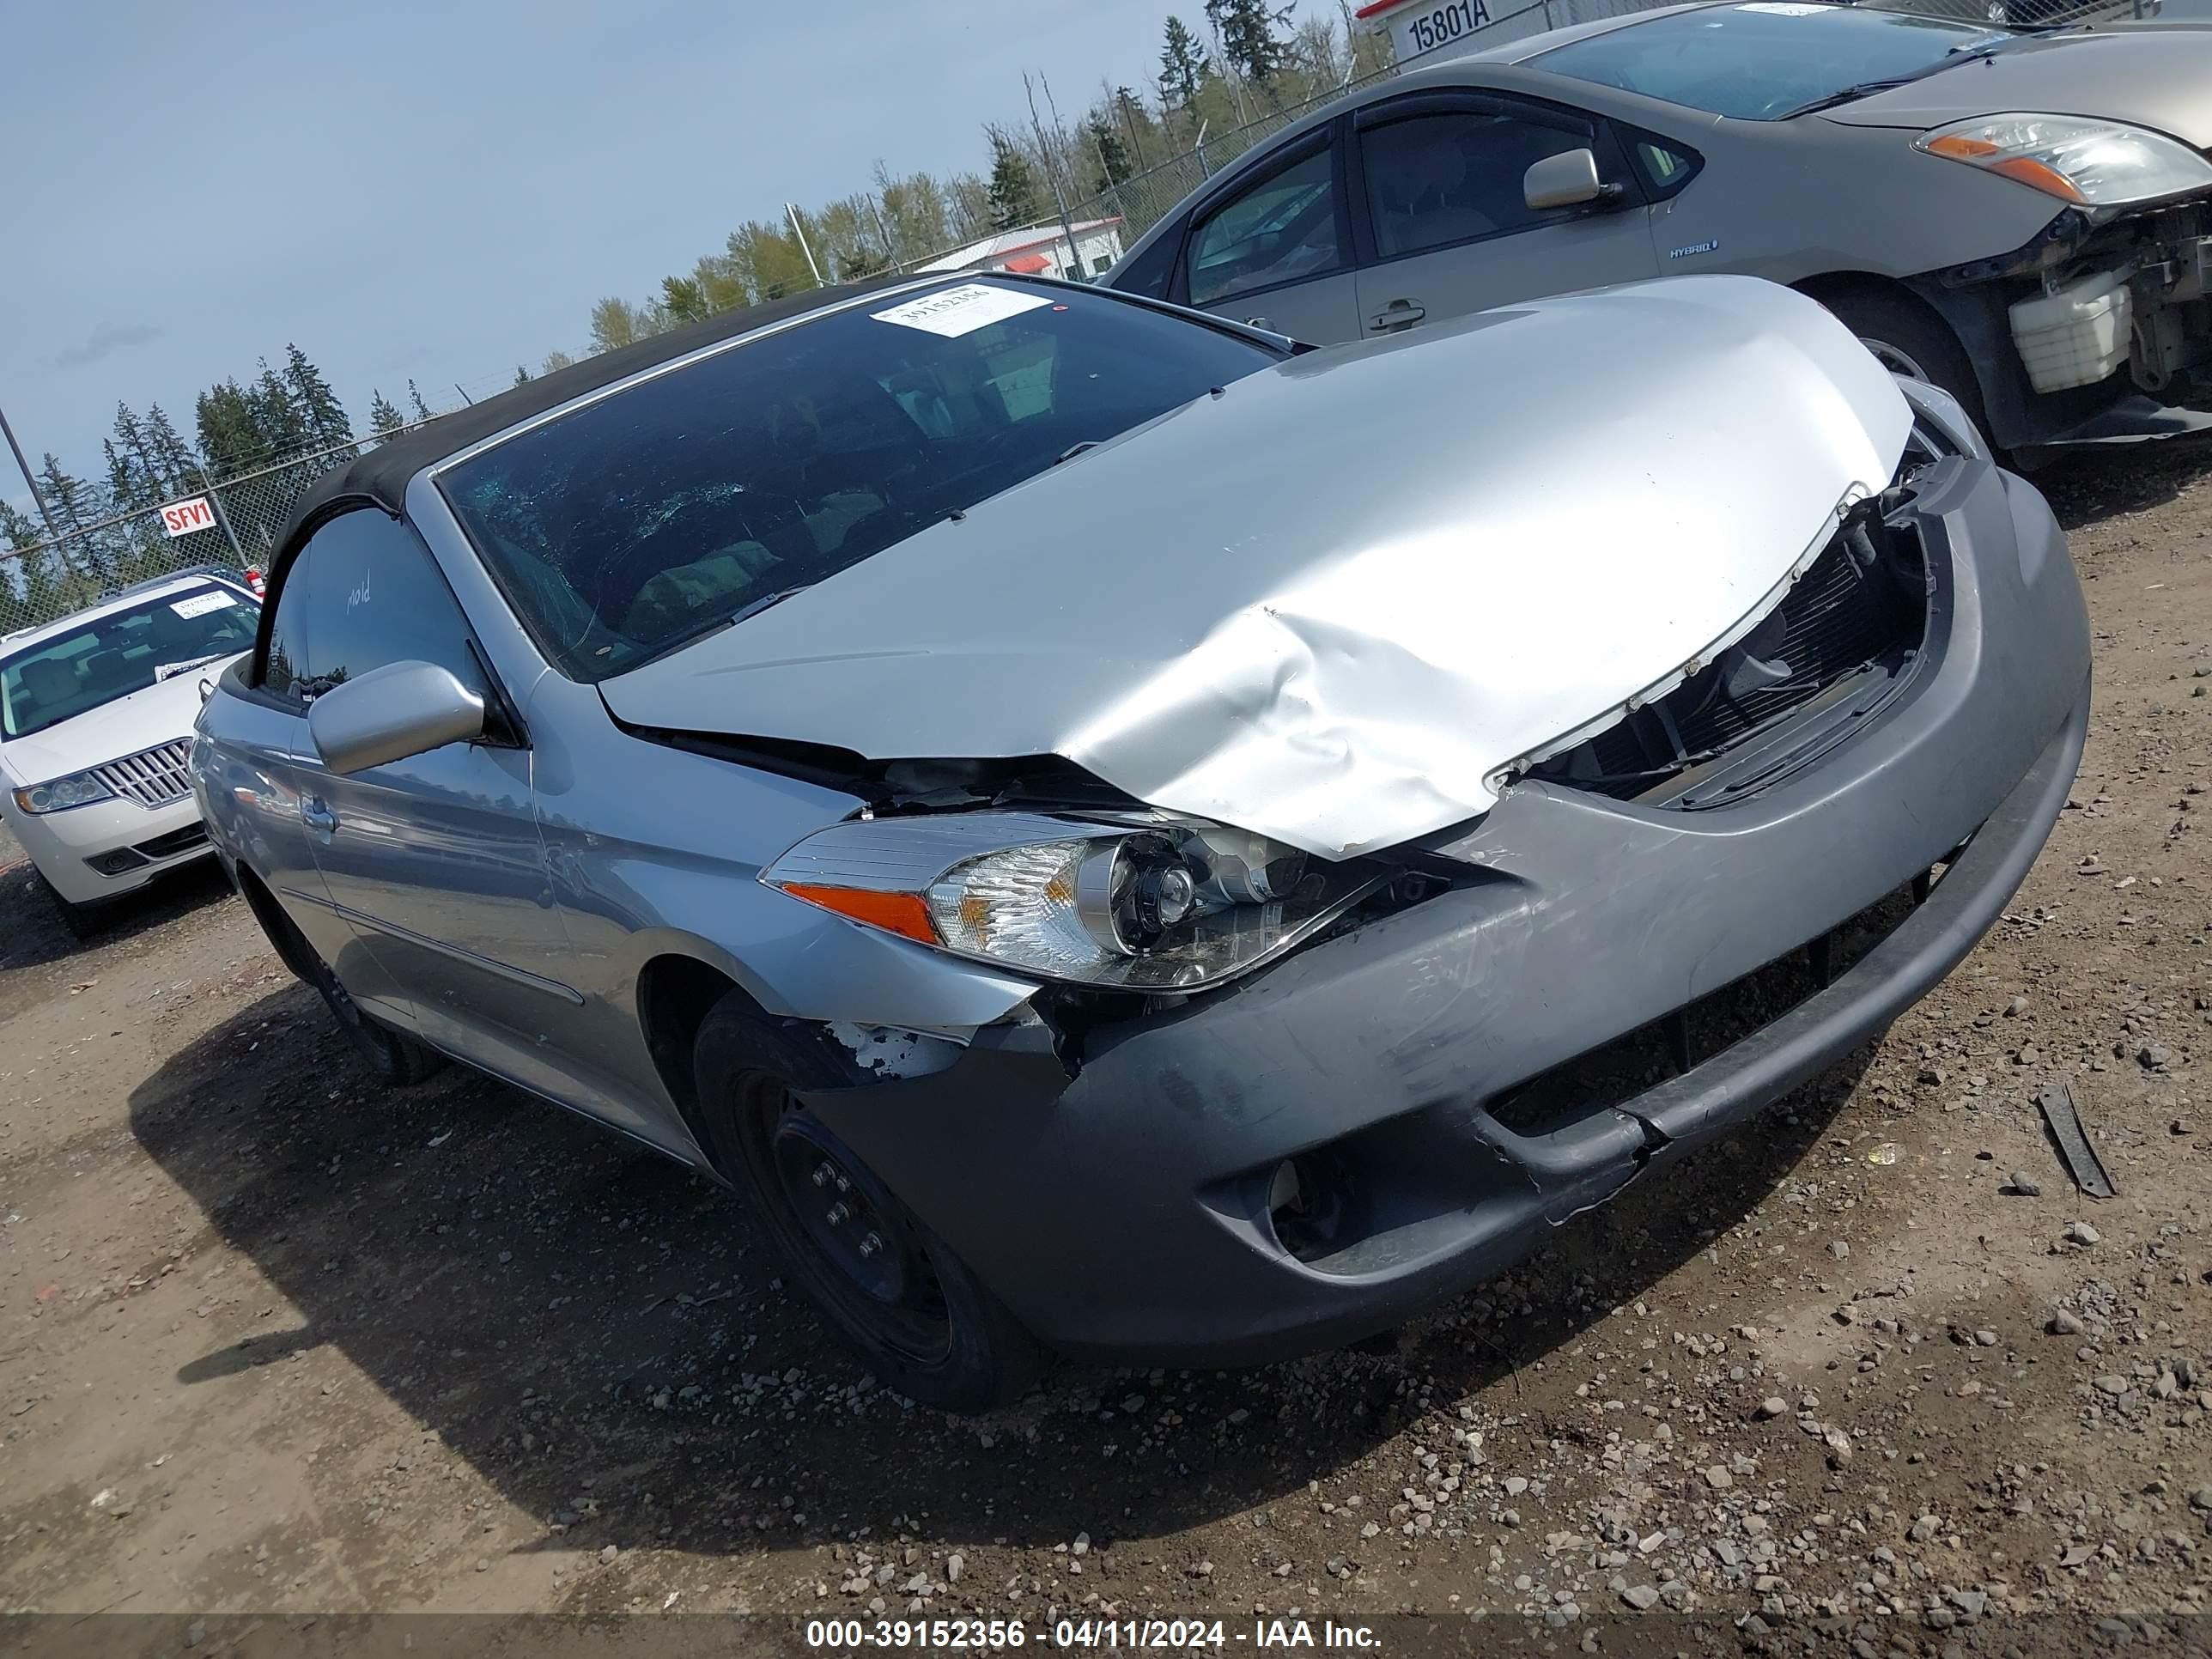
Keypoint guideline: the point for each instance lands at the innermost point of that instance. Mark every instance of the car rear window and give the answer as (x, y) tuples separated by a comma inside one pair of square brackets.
[(641, 521), (110, 656), (1760, 61)]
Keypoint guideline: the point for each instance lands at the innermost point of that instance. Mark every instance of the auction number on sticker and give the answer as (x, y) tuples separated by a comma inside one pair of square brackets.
[(1442, 25), (853, 1634)]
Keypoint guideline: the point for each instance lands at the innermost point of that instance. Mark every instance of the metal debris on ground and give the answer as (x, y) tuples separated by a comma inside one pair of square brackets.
[(2062, 1112)]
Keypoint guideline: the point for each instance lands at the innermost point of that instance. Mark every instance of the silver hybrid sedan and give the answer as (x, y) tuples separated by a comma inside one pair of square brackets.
[(2024, 219), (1108, 844)]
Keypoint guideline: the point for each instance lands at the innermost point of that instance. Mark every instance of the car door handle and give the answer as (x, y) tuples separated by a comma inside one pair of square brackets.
[(1399, 313), (318, 817)]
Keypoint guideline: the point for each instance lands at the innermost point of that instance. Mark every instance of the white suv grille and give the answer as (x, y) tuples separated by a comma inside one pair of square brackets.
[(154, 777)]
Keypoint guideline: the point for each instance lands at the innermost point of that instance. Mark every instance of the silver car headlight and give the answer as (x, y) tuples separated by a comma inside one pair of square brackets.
[(58, 794), (1144, 905), (2090, 163)]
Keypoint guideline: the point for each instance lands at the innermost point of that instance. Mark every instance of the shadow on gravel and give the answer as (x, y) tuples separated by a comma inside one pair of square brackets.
[(2095, 482), (599, 1333), (31, 934)]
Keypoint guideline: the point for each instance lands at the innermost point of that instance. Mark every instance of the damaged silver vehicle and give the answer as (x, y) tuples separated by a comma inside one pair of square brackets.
[(1108, 844)]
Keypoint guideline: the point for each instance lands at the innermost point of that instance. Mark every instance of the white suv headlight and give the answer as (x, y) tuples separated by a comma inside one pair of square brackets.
[(58, 794), (2090, 163), (1140, 905)]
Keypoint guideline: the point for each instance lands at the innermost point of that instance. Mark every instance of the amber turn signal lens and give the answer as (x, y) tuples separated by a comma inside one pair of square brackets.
[(903, 914)]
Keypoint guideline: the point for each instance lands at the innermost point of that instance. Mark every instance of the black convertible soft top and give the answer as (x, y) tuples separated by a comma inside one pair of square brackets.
[(380, 474)]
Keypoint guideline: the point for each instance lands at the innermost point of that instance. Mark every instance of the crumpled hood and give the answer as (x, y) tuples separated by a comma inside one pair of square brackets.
[(2159, 78), (162, 712), (1326, 604)]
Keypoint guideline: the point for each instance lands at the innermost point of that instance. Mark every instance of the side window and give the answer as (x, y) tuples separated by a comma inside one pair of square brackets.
[(279, 671), (1666, 167), (1151, 271), (1451, 176), (375, 596), (1279, 230)]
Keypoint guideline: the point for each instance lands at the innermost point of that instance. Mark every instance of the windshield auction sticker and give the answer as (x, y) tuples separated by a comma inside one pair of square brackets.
[(953, 312), (200, 603)]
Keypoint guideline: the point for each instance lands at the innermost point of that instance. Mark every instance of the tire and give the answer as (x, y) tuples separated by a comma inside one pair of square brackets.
[(909, 1307), (393, 1059), (1917, 344), (84, 921)]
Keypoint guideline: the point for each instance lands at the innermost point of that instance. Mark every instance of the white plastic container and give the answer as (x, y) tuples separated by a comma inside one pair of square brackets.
[(2077, 336)]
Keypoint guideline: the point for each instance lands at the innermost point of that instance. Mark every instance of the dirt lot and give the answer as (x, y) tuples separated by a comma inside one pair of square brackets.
[(274, 1341)]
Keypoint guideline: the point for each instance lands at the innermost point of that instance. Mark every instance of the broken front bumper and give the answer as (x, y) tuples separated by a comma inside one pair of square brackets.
[(1129, 1210)]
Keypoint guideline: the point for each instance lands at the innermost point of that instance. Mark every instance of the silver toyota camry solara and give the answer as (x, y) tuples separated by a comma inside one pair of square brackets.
[(1119, 835)]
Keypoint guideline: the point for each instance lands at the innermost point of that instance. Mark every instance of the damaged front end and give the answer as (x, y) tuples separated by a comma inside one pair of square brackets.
[(1846, 635), (2096, 293)]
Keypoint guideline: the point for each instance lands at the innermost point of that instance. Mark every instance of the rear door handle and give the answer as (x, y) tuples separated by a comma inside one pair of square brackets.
[(1399, 313), (318, 817)]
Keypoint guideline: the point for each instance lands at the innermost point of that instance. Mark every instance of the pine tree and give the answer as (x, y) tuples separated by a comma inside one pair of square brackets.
[(229, 436), (139, 477), (21, 529), (683, 300), (1183, 67), (68, 498), (1247, 29), (423, 410), (521, 376), (172, 458), (321, 414), (1014, 200), (124, 490), (1107, 151), (384, 416), (71, 500), (279, 420)]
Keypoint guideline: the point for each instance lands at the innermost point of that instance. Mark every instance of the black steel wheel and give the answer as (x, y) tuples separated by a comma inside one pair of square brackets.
[(891, 1289), (395, 1058), (83, 921)]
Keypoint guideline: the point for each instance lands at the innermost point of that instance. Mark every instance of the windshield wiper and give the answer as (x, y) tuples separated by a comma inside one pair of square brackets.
[(699, 630), (1849, 95), (1074, 450), (1957, 55), (170, 670)]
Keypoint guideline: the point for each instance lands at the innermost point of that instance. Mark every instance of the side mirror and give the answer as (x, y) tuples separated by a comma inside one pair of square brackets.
[(391, 712), (1567, 179)]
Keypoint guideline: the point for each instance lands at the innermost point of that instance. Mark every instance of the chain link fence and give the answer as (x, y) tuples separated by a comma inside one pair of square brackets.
[(244, 513), (1141, 201), (237, 528)]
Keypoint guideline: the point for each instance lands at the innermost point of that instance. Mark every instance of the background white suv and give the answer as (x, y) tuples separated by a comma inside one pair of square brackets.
[(96, 713)]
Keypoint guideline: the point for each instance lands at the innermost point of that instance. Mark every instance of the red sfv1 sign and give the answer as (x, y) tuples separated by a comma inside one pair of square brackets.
[(183, 518)]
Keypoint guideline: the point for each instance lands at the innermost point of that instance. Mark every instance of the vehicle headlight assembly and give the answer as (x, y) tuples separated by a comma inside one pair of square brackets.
[(1171, 905), (59, 795), (2090, 163)]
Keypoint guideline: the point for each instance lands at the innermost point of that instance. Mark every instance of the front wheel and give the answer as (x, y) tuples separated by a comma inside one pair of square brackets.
[(891, 1289), (83, 921), (1915, 345), (394, 1059)]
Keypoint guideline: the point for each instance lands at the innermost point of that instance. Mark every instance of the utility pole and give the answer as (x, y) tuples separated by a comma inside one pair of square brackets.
[(798, 230), (38, 499)]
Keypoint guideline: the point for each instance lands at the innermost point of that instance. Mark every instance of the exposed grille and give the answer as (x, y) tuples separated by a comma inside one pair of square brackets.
[(154, 777), (176, 842), (1844, 615)]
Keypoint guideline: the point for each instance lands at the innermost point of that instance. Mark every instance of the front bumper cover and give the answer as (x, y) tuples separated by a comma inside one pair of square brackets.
[(1125, 1210)]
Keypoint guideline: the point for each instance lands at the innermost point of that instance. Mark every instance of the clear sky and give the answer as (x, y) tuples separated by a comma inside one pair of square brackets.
[(442, 191)]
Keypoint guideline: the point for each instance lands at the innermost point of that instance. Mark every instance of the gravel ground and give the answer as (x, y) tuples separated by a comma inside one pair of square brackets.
[(1870, 1377)]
